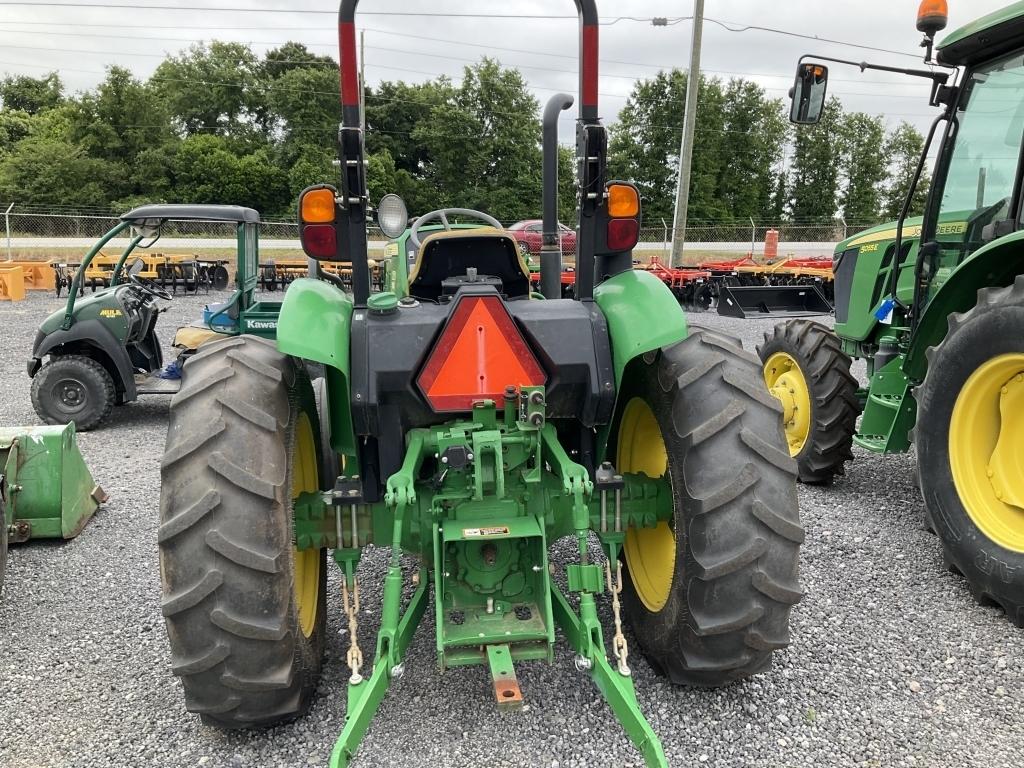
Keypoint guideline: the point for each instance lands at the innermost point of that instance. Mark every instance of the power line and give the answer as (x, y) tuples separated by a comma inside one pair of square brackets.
[(660, 67), (736, 26), (292, 11), (757, 28)]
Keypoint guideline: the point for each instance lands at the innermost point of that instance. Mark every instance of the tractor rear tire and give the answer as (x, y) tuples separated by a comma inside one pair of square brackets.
[(967, 405), (725, 578), (73, 388), (245, 612), (825, 444)]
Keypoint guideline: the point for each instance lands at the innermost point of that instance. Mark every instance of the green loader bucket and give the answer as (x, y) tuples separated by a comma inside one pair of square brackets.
[(48, 489)]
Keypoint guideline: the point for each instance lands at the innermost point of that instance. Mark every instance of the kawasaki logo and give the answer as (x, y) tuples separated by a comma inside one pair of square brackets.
[(261, 325)]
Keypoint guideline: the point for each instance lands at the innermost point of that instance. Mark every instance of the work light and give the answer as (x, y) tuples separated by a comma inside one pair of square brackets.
[(392, 216)]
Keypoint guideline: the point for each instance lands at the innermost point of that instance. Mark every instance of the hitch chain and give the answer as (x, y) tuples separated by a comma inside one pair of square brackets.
[(619, 646), (355, 655)]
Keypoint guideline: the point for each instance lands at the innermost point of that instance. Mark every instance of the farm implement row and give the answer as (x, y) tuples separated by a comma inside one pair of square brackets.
[(188, 274)]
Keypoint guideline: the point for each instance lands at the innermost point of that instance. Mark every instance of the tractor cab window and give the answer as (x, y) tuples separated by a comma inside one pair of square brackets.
[(983, 158)]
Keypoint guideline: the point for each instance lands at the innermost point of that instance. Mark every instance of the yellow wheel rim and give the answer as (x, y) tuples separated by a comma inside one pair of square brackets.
[(986, 449), (650, 552), (786, 382), (305, 478)]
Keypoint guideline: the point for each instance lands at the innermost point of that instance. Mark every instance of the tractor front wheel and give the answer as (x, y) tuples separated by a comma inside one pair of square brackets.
[(970, 446), (245, 610), (807, 371), (709, 593), (73, 388)]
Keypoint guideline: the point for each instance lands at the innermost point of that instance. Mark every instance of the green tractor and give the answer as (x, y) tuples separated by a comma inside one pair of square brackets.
[(935, 307), (468, 423), (102, 350)]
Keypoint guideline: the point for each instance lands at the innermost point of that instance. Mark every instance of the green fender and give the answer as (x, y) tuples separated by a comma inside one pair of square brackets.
[(315, 324), (994, 265), (642, 316)]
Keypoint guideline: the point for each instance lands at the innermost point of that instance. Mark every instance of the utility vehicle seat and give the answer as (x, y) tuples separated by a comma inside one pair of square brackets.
[(445, 255)]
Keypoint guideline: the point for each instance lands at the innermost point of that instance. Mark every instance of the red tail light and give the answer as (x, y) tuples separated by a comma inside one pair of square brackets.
[(623, 234), (479, 354), (319, 241)]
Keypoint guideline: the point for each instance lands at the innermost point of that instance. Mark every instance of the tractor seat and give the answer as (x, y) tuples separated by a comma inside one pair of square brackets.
[(445, 255)]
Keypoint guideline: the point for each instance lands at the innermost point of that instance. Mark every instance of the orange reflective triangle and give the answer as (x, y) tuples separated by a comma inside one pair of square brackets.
[(479, 354)]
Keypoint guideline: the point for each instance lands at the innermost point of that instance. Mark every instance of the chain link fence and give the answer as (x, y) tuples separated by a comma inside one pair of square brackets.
[(35, 232)]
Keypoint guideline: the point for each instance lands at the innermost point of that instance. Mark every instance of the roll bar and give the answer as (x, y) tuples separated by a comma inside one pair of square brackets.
[(591, 144)]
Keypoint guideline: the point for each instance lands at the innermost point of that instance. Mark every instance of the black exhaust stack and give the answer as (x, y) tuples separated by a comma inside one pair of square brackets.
[(551, 248)]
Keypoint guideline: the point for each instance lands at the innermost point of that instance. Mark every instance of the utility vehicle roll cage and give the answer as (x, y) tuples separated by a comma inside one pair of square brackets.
[(592, 250)]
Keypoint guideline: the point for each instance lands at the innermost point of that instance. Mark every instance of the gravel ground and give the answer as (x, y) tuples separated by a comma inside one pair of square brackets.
[(892, 663)]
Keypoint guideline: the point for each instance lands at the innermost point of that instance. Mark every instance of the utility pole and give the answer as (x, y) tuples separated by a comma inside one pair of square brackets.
[(686, 146)]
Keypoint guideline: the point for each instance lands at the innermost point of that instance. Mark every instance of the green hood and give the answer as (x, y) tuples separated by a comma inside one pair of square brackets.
[(882, 233)]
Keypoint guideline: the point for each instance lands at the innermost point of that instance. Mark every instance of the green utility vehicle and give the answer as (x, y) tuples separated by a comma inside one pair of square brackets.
[(935, 307), (103, 349), (469, 424)]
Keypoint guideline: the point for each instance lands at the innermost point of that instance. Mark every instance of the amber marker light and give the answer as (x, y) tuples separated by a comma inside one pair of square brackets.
[(623, 201), (317, 206)]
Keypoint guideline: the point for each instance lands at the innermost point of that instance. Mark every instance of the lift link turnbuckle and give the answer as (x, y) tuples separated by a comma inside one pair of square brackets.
[(606, 480)]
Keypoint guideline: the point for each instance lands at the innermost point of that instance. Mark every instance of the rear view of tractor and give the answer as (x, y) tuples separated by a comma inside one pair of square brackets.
[(469, 423), (935, 308)]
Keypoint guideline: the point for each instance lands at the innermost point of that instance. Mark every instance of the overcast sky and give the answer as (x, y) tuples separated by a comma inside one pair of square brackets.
[(80, 41)]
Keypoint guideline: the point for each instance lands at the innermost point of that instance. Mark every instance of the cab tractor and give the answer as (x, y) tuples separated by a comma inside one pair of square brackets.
[(935, 308), (464, 426)]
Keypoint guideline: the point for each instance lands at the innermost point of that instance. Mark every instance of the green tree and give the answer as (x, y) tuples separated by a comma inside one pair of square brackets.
[(291, 56), (306, 105), (902, 152), (393, 110), (816, 166), (31, 94), (483, 144), (120, 119), (644, 145), (217, 88), (46, 171), (863, 159), (15, 124), (753, 136), (205, 170)]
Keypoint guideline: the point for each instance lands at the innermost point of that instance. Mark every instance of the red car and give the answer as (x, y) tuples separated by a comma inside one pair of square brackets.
[(529, 234)]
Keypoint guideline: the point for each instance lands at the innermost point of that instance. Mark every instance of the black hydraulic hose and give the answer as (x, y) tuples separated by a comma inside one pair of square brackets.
[(551, 249)]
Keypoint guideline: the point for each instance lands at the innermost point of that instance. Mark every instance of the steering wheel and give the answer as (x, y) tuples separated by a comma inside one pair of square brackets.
[(442, 215), (147, 286)]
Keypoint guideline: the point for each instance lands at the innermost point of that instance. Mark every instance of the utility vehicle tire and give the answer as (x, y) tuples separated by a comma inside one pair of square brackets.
[(73, 388), (970, 422), (806, 368), (245, 611), (709, 595)]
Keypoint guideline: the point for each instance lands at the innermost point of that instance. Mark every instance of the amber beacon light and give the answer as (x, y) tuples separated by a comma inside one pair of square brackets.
[(932, 16)]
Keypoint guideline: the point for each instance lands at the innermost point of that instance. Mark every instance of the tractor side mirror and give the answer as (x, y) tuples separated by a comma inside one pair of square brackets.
[(808, 94)]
